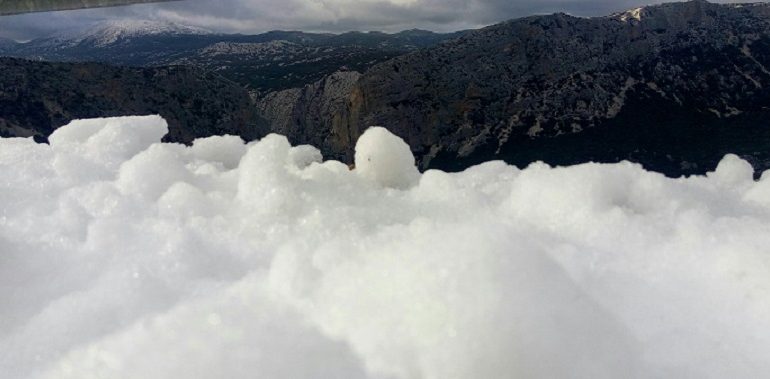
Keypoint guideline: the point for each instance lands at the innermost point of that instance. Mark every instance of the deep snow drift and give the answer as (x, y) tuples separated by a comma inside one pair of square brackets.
[(121, 257)]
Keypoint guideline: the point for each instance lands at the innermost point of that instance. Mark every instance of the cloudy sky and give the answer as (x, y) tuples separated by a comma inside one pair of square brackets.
[(254, 16)]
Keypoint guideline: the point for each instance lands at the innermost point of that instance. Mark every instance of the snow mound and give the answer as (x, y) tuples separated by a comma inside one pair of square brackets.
[(385, 159), (124, 257)]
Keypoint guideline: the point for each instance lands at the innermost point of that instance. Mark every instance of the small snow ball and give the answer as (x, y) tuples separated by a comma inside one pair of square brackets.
[(385, 159), (733, 170)]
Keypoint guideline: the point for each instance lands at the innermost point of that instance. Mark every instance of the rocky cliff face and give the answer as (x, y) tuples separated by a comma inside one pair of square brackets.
[(671, 86), (316, 114), (37, 97)]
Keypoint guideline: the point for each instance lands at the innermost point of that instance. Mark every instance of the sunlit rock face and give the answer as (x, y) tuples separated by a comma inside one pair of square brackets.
[(124, 257)]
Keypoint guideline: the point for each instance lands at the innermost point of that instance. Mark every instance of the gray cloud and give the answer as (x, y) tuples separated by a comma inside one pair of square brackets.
[(254, 16)]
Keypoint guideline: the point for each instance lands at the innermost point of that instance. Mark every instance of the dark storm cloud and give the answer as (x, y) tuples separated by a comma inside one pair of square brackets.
[(253, 16)]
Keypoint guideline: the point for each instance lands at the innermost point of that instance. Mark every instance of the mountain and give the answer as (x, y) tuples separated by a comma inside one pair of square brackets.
[(674, 87), (7, 45), (115, 33), (121, 31), (38, 97), (263, 63), (128, 42)]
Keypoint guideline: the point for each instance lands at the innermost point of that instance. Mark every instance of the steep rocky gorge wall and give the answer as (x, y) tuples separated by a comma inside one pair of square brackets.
[(317, 114)]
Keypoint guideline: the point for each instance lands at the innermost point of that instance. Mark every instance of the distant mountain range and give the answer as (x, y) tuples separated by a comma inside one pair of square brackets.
[(262, 63), (674, 86)]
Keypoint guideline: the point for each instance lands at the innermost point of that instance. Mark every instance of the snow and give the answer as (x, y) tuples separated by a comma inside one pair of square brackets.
[(385, 159), (124, 257), (106, 33), (633, 14)]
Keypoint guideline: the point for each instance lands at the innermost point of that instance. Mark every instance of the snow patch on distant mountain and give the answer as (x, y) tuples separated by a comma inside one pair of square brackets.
[(633, 14), (110, 32)]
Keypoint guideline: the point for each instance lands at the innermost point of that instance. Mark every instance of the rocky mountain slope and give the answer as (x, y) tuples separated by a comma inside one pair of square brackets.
[(37, 97), (673, 86)]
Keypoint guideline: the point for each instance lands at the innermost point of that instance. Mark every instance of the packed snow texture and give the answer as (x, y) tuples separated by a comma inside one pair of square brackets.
[(123, 257)]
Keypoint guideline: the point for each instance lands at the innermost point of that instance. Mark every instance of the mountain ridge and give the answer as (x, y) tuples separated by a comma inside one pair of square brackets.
[(301, 59), (503, 91)]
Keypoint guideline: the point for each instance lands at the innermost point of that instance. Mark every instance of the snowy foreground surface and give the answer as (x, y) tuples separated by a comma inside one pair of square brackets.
[(121, 257)]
